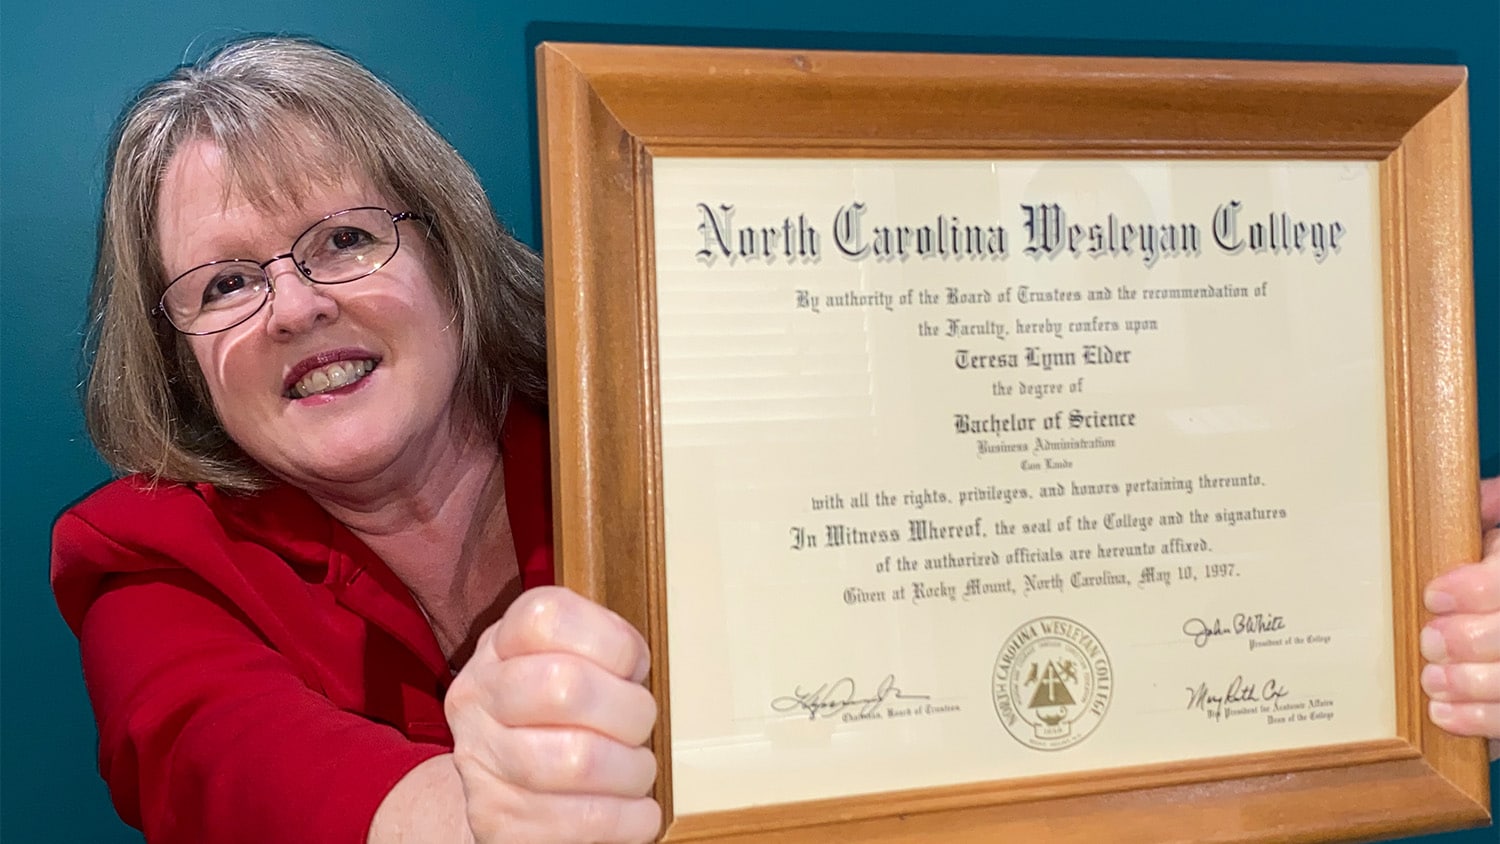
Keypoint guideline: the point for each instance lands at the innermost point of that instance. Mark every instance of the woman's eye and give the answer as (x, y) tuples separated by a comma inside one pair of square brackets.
[(224, 287), (345, 239)]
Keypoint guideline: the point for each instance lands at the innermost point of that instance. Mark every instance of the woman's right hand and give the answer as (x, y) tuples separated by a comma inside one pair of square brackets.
[(549, 721)]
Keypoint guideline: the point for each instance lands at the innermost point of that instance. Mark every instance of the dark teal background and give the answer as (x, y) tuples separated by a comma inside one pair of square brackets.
[(66, 68)]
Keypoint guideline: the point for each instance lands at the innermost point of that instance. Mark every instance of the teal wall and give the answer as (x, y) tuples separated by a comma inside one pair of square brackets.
[(67, 66)]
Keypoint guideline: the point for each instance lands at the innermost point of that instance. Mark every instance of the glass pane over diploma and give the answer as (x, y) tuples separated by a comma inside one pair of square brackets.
[(984, 470)]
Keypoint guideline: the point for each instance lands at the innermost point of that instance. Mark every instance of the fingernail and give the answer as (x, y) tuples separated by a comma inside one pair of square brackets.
[(1441, 713), (1439, 601), (1434, 649), (1434, 681)]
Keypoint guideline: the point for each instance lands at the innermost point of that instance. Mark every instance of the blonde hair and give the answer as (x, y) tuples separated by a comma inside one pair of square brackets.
[(287, 114)]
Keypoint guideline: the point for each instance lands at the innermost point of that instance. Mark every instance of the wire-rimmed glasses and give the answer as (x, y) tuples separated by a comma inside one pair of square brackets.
[(344, 246)]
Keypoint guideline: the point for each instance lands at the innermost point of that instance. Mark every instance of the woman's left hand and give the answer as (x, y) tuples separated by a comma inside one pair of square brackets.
[(1462, 644)]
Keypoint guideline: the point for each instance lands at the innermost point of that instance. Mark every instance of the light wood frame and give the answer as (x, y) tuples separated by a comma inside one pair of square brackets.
[(607, 110)]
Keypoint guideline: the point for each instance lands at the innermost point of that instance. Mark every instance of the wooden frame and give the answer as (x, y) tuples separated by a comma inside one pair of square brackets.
[(607, 111)]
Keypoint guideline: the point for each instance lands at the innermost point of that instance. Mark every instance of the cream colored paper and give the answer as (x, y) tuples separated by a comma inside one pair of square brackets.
[(1136, 407)]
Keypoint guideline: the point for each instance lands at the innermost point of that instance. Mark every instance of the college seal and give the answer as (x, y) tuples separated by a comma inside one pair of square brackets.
[(1052, 683)]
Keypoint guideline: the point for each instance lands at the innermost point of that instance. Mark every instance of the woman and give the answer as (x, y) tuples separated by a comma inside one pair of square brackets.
[(303, 617), (325, 361)]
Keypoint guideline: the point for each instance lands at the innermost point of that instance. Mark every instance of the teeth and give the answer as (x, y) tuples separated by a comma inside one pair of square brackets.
[(332, 377)]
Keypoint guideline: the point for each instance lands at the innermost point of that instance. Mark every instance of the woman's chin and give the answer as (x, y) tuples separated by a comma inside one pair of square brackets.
[(339, 466)]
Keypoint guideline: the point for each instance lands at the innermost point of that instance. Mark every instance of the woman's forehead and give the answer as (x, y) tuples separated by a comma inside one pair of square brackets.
[(210, 201), (276, 164)]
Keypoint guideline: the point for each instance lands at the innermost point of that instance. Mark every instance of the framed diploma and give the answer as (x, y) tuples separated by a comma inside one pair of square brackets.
[(1017, 449)]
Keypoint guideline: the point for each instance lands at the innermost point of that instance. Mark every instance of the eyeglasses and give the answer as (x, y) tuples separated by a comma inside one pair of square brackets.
[(340, 248)]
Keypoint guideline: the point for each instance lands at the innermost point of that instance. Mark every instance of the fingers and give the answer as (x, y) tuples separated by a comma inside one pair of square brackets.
[(552, 619), (1462, 638), (564, 783), (1462, 642), (1462, 682), (549, 719), (549, 690), (1474, 588), (553, 760), (540, 760), (1466, 719)]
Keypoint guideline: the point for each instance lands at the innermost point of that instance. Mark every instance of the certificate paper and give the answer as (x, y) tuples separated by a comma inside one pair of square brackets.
[(981, 470)]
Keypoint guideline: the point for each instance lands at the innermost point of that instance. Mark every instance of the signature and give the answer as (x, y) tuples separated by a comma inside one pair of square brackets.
[(830, 699), (1238, 690), (1201, 631)]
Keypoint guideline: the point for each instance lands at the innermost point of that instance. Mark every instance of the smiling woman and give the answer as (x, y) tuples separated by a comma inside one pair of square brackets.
[(306, 612), (271, 123), (271, 380)]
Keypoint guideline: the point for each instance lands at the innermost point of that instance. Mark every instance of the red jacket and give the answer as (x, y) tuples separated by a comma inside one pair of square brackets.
[(257, 673)]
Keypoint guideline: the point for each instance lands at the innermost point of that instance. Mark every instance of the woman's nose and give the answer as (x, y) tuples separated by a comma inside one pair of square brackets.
[(297, 303)]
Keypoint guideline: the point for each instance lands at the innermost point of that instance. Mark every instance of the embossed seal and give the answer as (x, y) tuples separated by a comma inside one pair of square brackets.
[(1052, 683)]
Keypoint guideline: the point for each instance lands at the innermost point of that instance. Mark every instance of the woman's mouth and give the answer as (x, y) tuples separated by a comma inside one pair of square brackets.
[(328, 378)]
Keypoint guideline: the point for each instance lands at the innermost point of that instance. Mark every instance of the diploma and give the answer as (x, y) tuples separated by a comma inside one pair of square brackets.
[(977, 470), (1034, 461)]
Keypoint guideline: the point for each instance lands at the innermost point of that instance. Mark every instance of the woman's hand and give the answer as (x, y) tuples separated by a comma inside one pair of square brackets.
[(549, 720), (1462, 645)]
